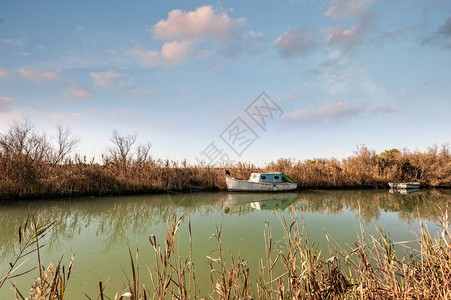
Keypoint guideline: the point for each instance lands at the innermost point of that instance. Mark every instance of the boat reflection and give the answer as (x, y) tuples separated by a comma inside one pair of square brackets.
[(404, 191), (266, 201)]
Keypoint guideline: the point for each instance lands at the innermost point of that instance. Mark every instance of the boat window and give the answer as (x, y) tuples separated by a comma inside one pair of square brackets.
[(263, 177), (276, 177)]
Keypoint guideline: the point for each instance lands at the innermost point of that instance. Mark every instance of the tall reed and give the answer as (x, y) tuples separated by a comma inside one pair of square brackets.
[(295, 268), (52, 281)]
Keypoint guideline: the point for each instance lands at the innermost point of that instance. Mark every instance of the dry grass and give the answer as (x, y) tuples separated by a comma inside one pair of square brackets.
[(21, 178), (294, 268), (32, 166)]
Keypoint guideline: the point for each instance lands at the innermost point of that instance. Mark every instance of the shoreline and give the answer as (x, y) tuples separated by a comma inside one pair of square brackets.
[(79, 195)]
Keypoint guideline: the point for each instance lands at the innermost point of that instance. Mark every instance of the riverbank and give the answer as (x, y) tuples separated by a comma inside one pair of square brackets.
[(24, 178)]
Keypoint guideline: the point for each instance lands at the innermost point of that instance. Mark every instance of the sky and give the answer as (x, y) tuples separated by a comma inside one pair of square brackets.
[(249, 81)]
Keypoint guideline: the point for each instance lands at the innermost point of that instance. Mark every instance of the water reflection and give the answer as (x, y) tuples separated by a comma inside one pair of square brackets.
[(116, 218), (404, 191), (273, 201)]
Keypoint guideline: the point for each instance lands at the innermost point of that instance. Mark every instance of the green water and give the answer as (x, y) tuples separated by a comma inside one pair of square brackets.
[(99, 230)]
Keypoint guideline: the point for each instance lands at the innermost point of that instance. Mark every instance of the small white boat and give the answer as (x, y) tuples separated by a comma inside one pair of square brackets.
[(404, 185), (262, 182)]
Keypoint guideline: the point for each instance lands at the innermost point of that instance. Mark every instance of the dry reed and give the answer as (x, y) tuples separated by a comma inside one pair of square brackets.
[(294, 268)]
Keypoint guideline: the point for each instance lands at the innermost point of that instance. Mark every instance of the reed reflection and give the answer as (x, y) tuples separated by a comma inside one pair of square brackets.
[(116, 219)]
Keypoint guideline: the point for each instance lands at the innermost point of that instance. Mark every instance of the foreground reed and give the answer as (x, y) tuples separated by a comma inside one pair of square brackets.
[(51, 282), (295, 268)]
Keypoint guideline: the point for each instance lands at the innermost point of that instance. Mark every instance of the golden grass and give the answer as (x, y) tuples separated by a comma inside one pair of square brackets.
[(23, 178), (294, 268), (31, 166)]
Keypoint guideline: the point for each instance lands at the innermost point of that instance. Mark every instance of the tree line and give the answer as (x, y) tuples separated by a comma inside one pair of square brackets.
[(34, 164)]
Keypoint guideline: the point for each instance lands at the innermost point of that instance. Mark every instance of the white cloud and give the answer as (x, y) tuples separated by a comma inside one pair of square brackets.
[(327, 113), (296, 42), (403, 91), (175, 51), (184, 30), (39, 75), (348, 8), (172, 53), (75, 92), (4, 73), (108, 79), (194, 25)]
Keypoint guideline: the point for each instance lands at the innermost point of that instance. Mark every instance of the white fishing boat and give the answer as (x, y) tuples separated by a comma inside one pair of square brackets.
[(261, 182), (404, 185)]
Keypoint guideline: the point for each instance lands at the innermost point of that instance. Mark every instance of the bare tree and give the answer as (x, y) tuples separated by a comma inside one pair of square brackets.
[(65, 143), (122, 146), (23, 140), (142, 152)]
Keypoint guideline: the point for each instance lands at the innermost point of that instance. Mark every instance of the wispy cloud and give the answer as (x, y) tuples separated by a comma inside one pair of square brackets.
[(39, 75), (348, 8), (60, 117), (441, 37), (14, 42), (383, 109), (296, 42), (75, 92), (348, 39), (326, 113), (249, 43), (5, 103), (4, 73), (141, 90), (109, 79), (119, 113)]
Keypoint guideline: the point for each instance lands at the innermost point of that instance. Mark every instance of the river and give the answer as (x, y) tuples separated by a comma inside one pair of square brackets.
[(100, 230)]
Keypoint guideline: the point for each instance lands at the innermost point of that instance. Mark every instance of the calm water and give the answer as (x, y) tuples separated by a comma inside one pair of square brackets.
[(99, 230)]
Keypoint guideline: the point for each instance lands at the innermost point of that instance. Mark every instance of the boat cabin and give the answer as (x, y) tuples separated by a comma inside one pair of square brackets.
[(266, 177)]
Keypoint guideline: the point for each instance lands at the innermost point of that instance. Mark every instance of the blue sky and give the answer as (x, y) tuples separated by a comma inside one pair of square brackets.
[(179, 73)]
